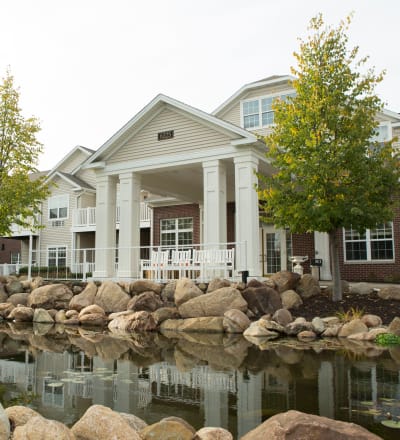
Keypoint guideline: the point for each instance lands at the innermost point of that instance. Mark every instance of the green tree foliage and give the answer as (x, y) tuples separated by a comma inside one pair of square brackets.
[(20, 195), (329, 172)]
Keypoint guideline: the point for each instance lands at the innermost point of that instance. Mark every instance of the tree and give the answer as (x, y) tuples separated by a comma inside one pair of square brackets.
[(20, 193), (330, 174)]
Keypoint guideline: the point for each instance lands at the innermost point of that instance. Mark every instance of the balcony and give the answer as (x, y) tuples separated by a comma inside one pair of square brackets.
[(84, 219), (21, 231)]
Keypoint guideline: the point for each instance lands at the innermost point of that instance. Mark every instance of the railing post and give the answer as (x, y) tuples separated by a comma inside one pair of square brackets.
[(30, 257)]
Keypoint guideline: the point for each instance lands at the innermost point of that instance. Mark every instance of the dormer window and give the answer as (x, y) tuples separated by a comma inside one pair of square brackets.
[(258, 113)]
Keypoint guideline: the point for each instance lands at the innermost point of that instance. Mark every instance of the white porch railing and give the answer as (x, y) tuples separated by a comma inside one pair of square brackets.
[(9, 269), (163, 263), (86, 217)]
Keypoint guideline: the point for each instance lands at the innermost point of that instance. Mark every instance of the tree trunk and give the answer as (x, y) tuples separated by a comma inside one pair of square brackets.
[(334, 254)]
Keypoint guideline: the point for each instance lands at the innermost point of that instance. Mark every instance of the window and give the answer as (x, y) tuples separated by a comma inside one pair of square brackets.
[(251, 111), (382, 133), (370, 245), (176, 231), (57, 256), (58, 207)]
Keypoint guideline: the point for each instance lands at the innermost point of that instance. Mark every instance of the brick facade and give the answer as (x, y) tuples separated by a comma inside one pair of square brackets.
[(7, 247), (303, 244)]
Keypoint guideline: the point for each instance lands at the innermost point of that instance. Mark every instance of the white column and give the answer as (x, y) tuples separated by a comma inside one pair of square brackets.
[(214, 188), (247, 216), (321, 245), (129, 226), (106, 190)]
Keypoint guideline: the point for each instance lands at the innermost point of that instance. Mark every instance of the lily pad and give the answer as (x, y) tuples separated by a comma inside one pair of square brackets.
[(391, 424)]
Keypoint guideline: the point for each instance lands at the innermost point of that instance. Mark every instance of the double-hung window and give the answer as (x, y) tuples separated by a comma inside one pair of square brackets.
[(258, 112), (176, 232), (371, 244), (58, 207), (57, 256)]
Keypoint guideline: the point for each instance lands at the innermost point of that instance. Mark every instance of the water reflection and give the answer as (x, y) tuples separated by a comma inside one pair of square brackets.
[(209, 380)]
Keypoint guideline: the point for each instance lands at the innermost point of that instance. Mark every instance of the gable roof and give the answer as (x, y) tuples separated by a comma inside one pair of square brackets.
[(157, 103), (274, 79), (77, 183), (87, 151)]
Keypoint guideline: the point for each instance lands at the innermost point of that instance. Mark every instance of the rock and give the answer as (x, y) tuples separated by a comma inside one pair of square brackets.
[(361, 288), (140, 286), (52, 296), (164, 313), (271, 325), (306, 335), (166, 430), (262, 300), (332, 331), (205, 324), (19, 415), (217, 283), (111, 297), (367, 336), (14, 286), (76, 290), (235, 321), (36, 282), (282, 317), (213, 304), (308, 286), (331, 320), (39, 428), (133, 421), (297, 326), (5, 309), (146, 301), (3, 294), (72, 321), (71, 313), (135, 321), (371, 320), (93, 319), (186, 290), (18, 298), (390, 292), (213, 434), (318, 325), (257, 329), (298, 425), (88, 310), (285, 280), (85, 298), (100, 422), (291, 299), (42, 316), (21, 313), (344, 285), (168, 292), (60, 316), (4, 424), (179, 420), (352, 327), (394, 326)]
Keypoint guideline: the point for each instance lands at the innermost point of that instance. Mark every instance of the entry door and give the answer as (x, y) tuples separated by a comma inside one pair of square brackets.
[(276, 248)]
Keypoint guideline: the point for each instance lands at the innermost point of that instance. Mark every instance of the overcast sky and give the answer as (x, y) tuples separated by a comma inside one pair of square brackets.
[(85, 67)]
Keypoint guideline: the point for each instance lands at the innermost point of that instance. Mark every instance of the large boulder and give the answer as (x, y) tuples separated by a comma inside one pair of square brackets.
[(285, 280), (94, 308), (205, 324), (210, 433), (22, 314), (147, 301), (213, 304), (3, 294), (258, 329), (394, 326), (85, 298), (282, 317), (164, 313), (14, 286), (133, 321), (39, 428), (166, 430), (168, 292), (100, 422), (308, 286), (262, 300), (217, 283), (18, 298), (361, 288), (4, 424), (352, 327), (291, 299), (52, 296), (19, 415), (93, 319), (297, 425), (390, 292), (5, 309), (42, 316), (111, 297), (140, 286), (185, 290), (235, 321)]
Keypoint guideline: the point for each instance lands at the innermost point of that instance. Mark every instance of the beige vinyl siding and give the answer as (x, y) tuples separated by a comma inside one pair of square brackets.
[(73, 162), (88, 176), (232, 113), (189, 135), (57, 235), (396, 133), (87, 200)]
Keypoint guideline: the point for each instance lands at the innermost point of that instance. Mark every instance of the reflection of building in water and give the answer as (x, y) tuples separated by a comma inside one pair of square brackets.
[(69, 382)]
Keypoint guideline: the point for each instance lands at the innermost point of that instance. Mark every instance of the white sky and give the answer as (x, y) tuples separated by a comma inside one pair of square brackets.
[(85, 67)]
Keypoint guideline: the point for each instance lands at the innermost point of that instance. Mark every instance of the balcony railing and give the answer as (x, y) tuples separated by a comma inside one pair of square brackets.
[(86, 217)]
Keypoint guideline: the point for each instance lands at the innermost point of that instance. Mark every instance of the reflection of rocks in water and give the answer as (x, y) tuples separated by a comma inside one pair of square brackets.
[(54, 342), (41, 329), (395, 354), (289, 355), (185, 361), (310, 365)]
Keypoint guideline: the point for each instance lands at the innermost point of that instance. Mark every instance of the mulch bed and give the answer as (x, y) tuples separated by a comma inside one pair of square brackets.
[(323, 306)]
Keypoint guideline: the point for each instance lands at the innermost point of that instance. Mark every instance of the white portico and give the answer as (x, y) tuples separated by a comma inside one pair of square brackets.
[(174, 150)]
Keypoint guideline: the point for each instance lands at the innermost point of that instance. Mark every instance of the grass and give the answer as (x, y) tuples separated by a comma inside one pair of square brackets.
[(349, 315)]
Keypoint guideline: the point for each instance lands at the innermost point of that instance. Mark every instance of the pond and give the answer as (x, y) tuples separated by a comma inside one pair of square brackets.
[(208, 380)]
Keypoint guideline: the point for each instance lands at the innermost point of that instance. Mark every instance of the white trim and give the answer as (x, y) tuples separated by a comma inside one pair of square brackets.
[(250, 86), (59, 174), (57, 196), (64, 159), (57, 246)]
